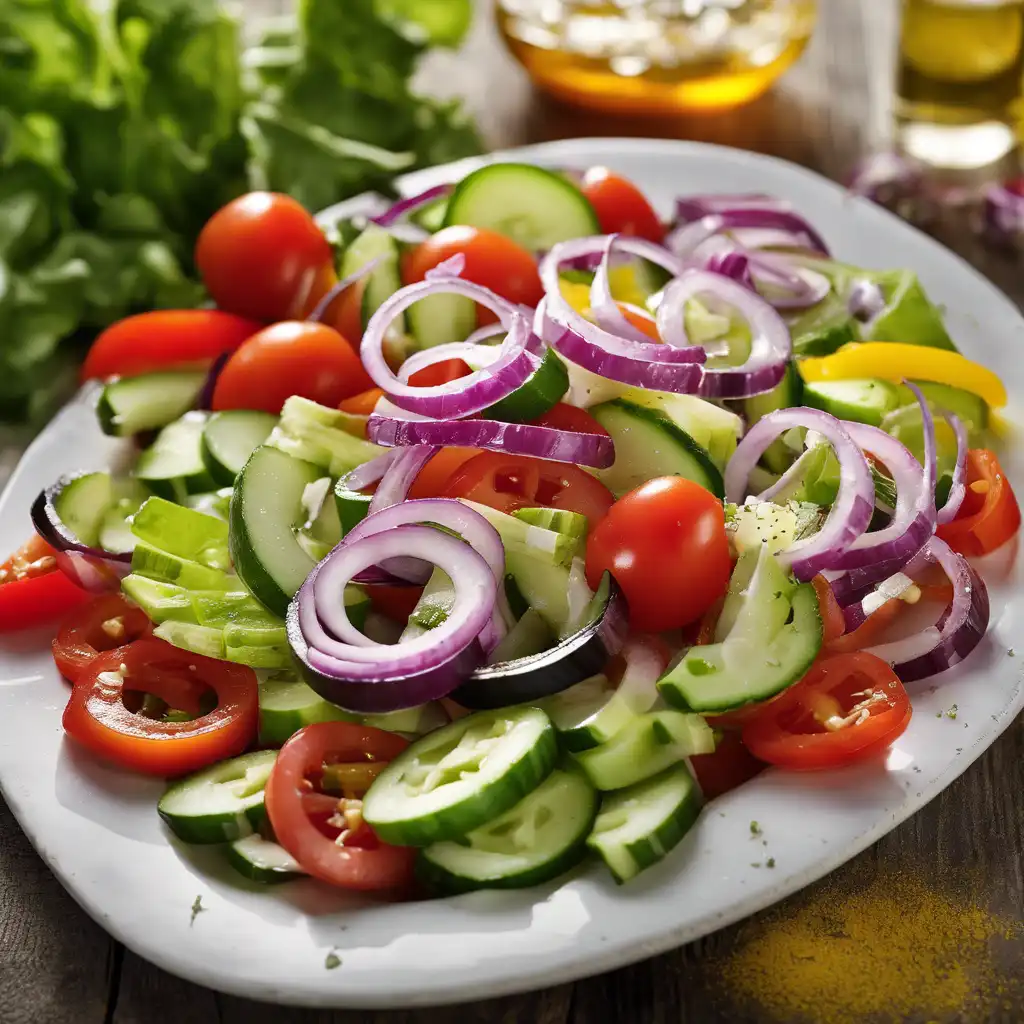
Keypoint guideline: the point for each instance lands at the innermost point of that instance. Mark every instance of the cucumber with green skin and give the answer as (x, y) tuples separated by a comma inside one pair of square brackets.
[(262, 860), (230, 437), (172, 466), (132, 405)]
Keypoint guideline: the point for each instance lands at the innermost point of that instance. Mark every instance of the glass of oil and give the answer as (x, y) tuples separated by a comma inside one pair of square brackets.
[(656, 56), (959, 83)]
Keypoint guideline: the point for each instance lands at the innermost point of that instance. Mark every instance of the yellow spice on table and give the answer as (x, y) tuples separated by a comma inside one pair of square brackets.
[(894, 949)]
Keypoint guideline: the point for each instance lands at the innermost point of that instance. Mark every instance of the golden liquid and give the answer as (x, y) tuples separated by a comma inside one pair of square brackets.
[(960, 73), (656, 56)]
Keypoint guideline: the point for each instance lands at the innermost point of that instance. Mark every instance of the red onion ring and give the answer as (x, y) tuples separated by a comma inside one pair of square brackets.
[(774, 215), (958, 485), (400, 476), (320, 310), (404, 207)]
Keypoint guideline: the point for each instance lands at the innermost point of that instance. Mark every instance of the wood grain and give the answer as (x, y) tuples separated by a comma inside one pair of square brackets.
[(58, 967)]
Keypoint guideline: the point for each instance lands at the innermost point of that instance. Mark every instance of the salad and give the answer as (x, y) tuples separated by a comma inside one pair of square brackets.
[(510, 525)]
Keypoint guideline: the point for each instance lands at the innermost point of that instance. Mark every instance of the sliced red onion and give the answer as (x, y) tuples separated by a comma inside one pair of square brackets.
[(320, 310), (854, 615), (771, 214), (370, 473), (400, 476), (865, 300), (779, 280), (92, 568), (771, 344), (457, 398), (205, 400), (958, 485), (731, 263), (850, 514), (928, 429), (494, 435), (691, 208), (404, 207), (959, 629)]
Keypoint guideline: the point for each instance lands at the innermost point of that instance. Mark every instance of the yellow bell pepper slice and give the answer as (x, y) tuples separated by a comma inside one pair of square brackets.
[(896, 362)]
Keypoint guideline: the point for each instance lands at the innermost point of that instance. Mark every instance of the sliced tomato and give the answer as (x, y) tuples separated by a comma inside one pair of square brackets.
[(833, 623), (394, 602), (433, 478), (362, 404), (345, 313), (100, 714), (508, 482), (620, 206), (106, 622), (33, 590), (440, 373), (874, 628), (335, 846), (165, 339), (989, 515), (728, 767), (847, 708), (568, 417)]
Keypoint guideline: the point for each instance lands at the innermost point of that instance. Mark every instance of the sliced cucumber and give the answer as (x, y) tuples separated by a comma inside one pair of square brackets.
[(211, 503), (433, 607), (647, 745), (538, 394), (115, 532), (971, 409), (440, 319), (160, 601), (202, 640), (173, 465), (520, 536), (863, 401), (266, 514), (183, 532), (384, 280), (775, 527), (262, 860), (353, 506), (257, 646), (316, 434), (530, 635), (648, 444), (640, 825), (219, 804), (230, 437), (545, 587), (183, 572), (535, 207), (570, 524), (82, 502), (287, 704), (431, 216), (787, 394), (222, 608), (417, 721), (152, 400), (460, 777), (540, 838)]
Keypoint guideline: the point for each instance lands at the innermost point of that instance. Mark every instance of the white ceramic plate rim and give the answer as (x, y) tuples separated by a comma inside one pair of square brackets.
[(98, 831)]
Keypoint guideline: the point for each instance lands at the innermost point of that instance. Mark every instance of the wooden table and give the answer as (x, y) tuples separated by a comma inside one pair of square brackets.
[(59, 967)]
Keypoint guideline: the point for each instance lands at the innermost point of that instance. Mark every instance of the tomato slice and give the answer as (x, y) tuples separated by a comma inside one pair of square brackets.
[(989, 515), (325, 834), (33, 590), (833, 623), (362, 404), (508, 482), (440, 373), (394, 602), (847, 708), (433, 478), (106, 622), (98, 717), (620, 206), (727, 768), (567, 417)]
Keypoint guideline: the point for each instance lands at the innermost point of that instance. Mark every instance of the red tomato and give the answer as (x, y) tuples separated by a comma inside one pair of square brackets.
[(665, 544), (492, 260), (32, 589), (394, 602), (433, 478), (620, 206), (567, 417), (847, 708), (106, 622), (345, 313), (362, 404), (349, 855), (164, 340), (508, 482), (291, 358), (440, 373), (833, 623), (989, 515), (728, 767), (264, 257), (98, 717)]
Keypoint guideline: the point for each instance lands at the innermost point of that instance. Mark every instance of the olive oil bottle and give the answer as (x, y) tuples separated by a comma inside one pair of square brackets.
[(961, 67)]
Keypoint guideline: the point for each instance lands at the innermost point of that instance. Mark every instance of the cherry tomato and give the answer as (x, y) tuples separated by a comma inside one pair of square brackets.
[(106, 622), (362, 404), (433, 478), (567, 417), (832, 621), (666, 546), (262, 256), (620, 206), (165, 340), (989, 515), (33, 590), (847, 708), (394, 602), (492, 260), (508, 482), (345, 313), (325, 834), (440, 373), (728, 767), (290, 358), (98, 717)]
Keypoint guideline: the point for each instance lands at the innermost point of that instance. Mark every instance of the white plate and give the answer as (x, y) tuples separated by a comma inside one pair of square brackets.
[(98, 829)]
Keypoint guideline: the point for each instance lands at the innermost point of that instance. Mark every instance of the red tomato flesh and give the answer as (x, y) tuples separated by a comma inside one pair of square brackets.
[(989, 515), (106, 622), (620, 206)]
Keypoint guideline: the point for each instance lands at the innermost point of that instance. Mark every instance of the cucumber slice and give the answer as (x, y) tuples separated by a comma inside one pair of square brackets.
[(173, 465), (417, 721), (648, 444), (183, 572), (316, 434), (570, 524), (199, 639), (147, 402), (230, 437), (787, 394), (219, 804), (374, 244), (433, 607), (160, 601), (767, 636), (545, 587), (287, 704), (530, 635), (540, 838), (775, 527), (82, 502), (535, 207), (439, 319), (522, 537), (257, 646), (262, 860), (971, 409), (907, 426), (183, 532), (353, 506), (222, 608), (211, 503), (538, 394), (460, 777), (642, 824), (647, 745), (266, 514), (115, 533), (863, 401)]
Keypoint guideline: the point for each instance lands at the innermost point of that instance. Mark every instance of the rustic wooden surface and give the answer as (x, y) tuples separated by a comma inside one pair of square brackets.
[(58, 967)]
